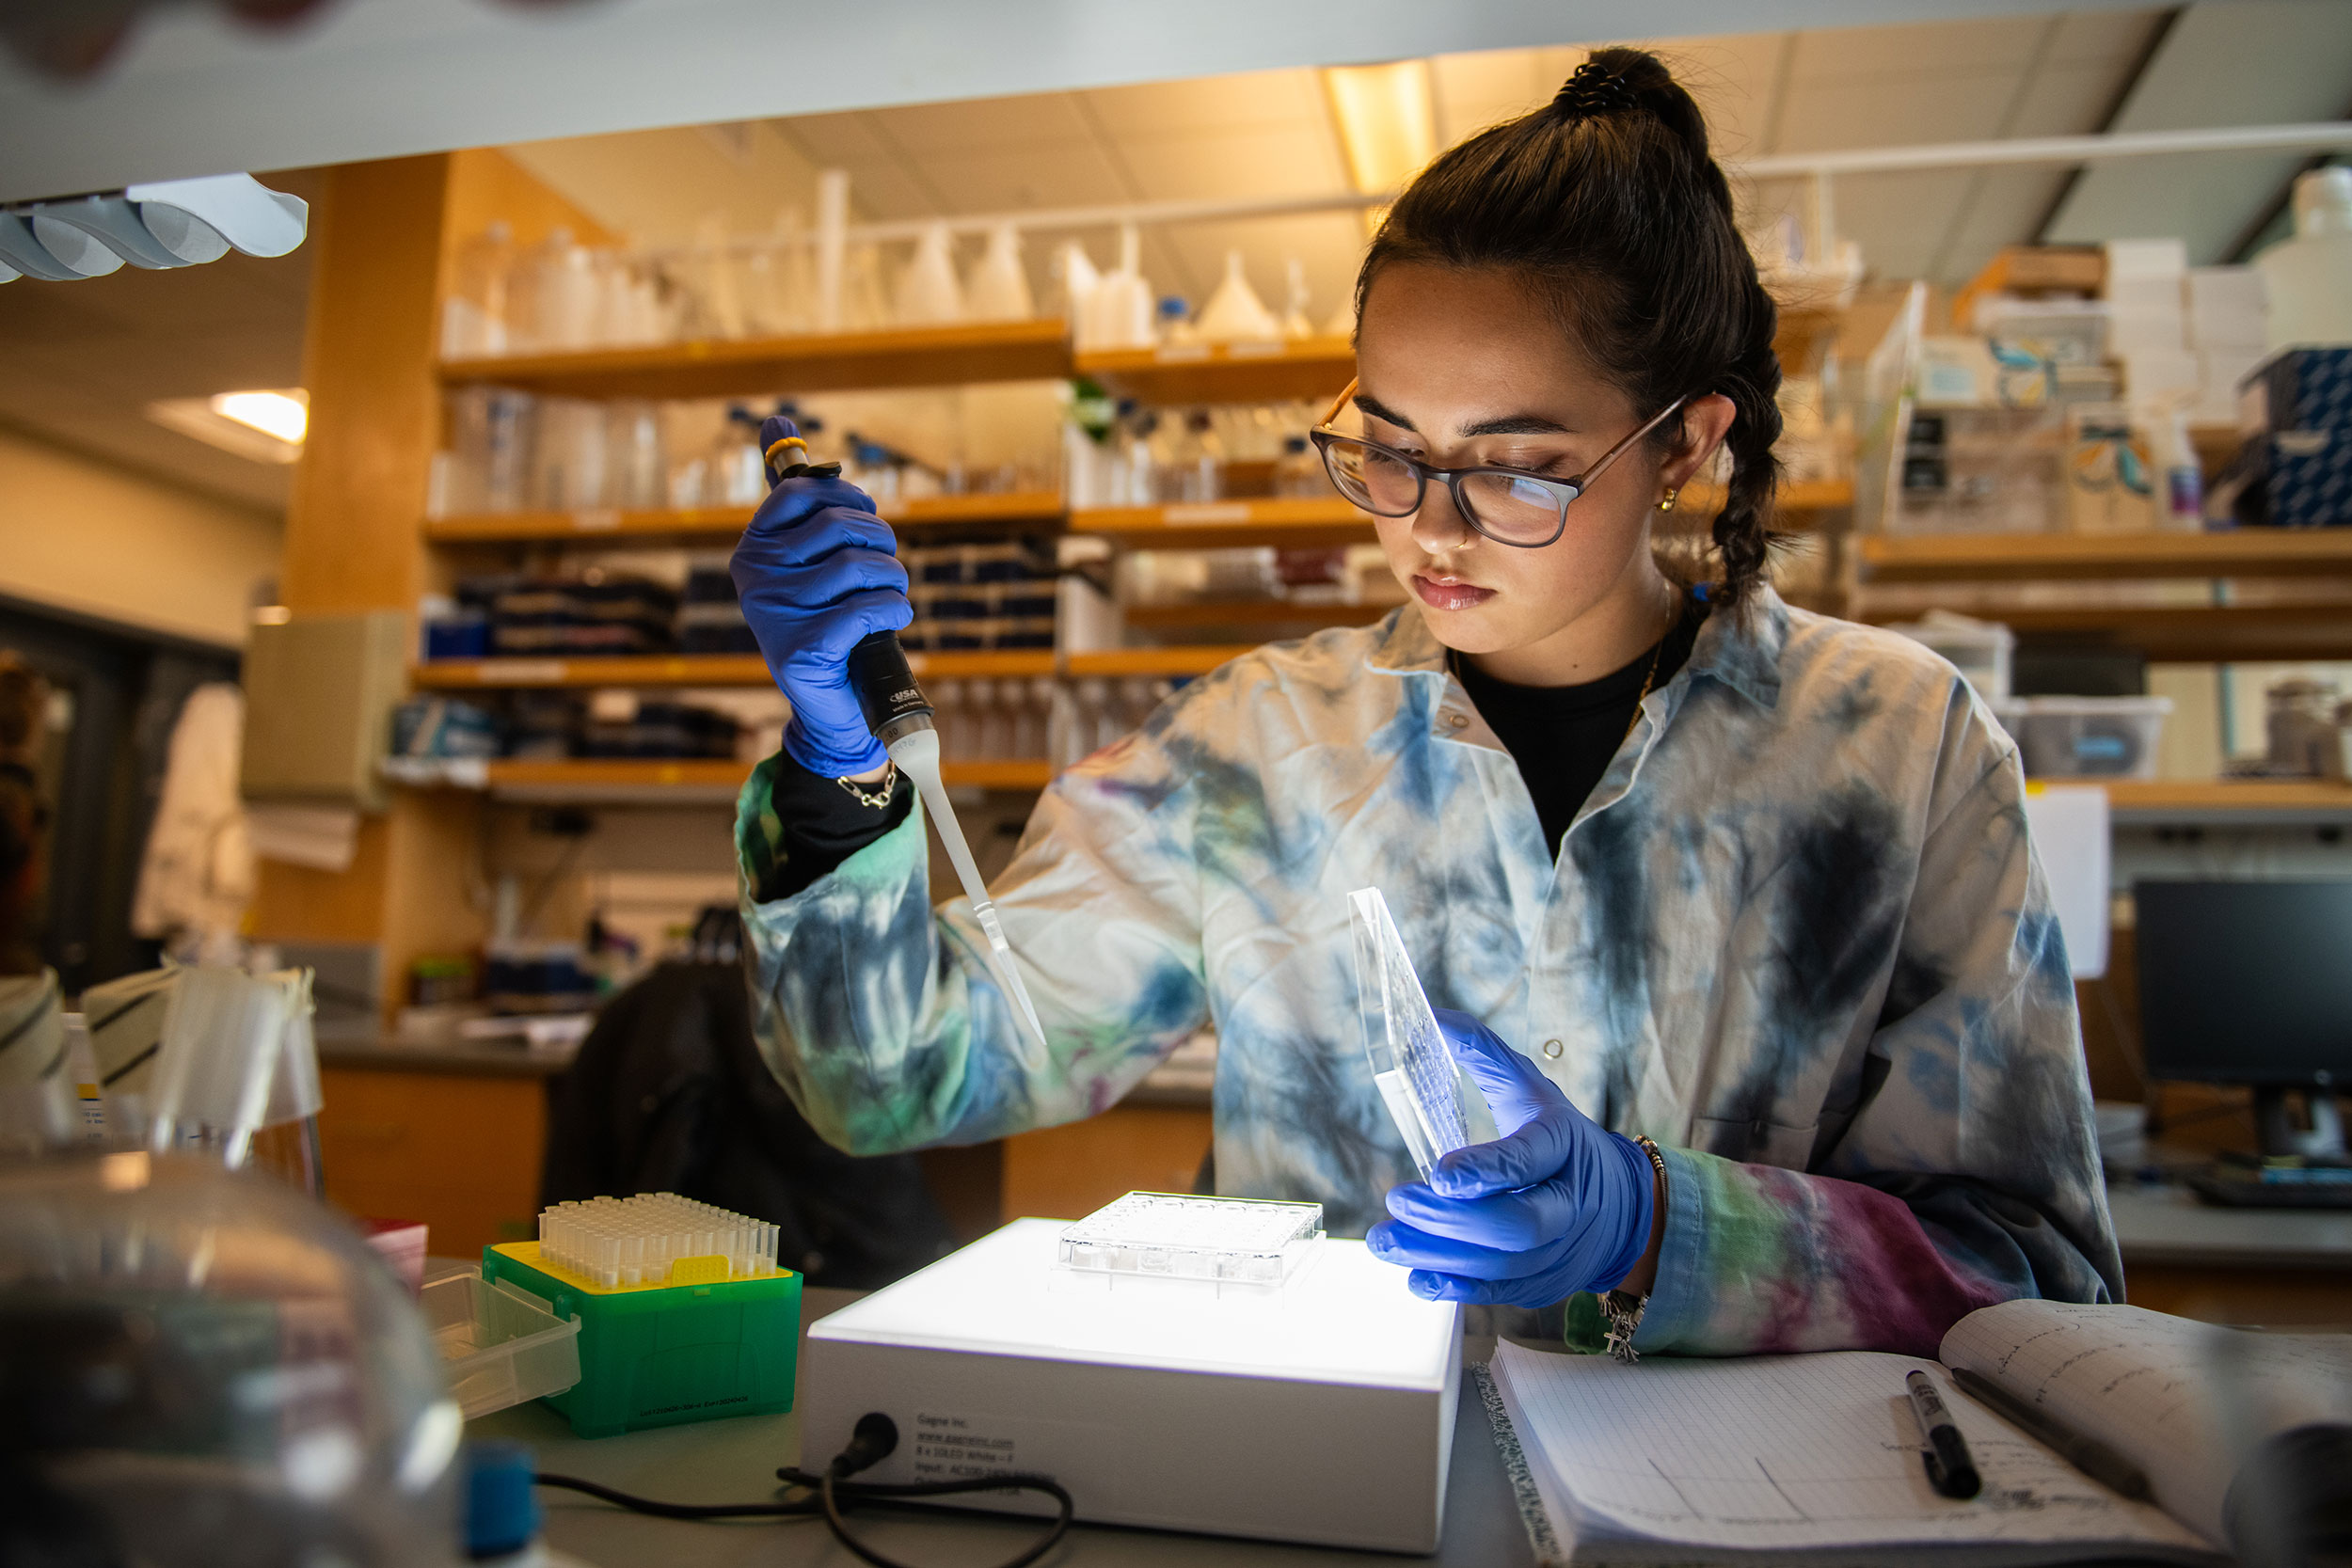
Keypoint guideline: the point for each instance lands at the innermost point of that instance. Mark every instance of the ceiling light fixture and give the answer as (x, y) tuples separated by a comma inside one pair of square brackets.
[(1387, 117), (261, 426)]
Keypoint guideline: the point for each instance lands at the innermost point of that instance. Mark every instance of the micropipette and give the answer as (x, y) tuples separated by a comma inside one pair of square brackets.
[(902, 719)]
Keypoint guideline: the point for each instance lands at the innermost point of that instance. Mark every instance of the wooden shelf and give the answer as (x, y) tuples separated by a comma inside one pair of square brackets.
[(811, 362), (1213, 525), (1156, 661), (1254, 612), (2237, 552), (687, 782), (1012, 773), (691, 670), (1224, 373), (2223, 802), (2184, 635), (597, 525)]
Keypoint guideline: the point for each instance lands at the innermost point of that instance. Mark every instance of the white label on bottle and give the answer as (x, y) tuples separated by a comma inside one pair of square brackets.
[(600, 519), (1215, 511), (1256, 348), (1172, 354), (519, 672)]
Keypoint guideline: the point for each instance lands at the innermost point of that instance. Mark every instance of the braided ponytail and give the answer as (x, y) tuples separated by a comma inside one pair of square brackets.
[(1610, 200)]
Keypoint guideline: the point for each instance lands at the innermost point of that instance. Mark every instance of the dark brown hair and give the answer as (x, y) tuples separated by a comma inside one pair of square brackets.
[(1607, 200)]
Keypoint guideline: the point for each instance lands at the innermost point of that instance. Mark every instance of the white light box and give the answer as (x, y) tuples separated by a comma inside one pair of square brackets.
[(1319, 1409)]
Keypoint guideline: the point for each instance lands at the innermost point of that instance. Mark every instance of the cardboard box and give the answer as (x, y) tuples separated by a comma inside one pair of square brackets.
[(2154, 373), (2109, 487), (2130, 260), (2228, 308)]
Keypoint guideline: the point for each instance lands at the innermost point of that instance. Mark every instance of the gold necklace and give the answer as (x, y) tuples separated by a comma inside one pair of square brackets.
[(1656, 657)]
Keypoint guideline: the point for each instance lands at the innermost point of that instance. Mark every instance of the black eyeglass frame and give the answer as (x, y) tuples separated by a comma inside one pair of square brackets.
[(1564, 491)]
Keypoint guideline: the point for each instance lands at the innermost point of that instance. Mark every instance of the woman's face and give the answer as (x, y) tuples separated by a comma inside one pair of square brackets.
[(1467, 369)]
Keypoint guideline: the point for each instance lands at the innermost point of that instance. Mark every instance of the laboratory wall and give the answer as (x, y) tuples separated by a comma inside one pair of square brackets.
[(99, 540)]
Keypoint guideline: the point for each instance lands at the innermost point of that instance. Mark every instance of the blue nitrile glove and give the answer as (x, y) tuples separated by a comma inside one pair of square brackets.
[(1554, 1206), (817, 571)]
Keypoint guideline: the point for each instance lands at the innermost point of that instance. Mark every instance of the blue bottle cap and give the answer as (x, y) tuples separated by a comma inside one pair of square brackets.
[(501, 1510)]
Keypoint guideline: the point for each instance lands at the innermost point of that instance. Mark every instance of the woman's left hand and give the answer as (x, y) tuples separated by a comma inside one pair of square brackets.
[(1557, 1205)]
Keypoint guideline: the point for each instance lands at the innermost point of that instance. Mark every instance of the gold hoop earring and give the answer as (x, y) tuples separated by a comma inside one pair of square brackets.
[(1668, 504)]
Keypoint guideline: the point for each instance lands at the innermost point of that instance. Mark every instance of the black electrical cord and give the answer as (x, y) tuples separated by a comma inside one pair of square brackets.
[(873, 1439)]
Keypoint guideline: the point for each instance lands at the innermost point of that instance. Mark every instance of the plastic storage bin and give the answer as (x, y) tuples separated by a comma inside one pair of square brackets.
[(1980, 650), (501, 1345), (2087, 738), (653, 1356)]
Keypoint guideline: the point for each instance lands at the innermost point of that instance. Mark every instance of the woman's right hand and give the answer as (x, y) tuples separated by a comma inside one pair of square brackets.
[(818, 571)]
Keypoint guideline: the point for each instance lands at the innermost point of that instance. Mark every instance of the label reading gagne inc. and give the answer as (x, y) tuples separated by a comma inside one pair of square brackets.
[(970, 1445)]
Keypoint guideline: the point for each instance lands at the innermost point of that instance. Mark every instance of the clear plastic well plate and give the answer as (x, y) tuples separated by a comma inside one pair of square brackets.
[(1232, 1240), (1419, 1082)]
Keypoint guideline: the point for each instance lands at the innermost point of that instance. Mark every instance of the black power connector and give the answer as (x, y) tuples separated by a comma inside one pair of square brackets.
[(872, 1440)]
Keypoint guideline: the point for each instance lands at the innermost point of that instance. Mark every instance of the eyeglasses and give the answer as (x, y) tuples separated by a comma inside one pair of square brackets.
[(1509, 506)]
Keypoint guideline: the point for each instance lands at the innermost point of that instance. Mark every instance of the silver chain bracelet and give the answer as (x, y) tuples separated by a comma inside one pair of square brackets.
[(879, 797)]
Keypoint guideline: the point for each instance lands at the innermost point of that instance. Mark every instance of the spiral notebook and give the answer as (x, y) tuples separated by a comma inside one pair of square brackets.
[(1819, 1456)]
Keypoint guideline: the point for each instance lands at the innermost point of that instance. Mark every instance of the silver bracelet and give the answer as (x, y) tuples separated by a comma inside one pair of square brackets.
[(1622, 1308), (878, 797)]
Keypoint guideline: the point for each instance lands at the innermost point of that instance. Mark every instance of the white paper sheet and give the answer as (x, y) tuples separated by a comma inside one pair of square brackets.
[(1788, 1453)]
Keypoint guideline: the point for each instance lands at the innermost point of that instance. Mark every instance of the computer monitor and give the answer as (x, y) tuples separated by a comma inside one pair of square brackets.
[(2252, 982)]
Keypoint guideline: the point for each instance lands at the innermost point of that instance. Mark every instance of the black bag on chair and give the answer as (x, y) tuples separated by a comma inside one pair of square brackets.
[(668, 1094)]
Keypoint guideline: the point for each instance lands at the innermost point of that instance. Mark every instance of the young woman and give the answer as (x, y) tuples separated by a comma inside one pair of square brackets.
[(1792, 1051)]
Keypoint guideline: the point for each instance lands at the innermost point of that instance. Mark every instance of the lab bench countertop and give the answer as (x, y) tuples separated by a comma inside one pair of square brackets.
[(735, 1460), (380, 1052), (2159, 1225)]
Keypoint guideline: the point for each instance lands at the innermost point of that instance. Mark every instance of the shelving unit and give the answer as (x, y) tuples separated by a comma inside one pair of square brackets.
[(2273, 802), (1289, 614), (1213, 525), (460, 675), (2189, 634), (597, 525), (810, 362), (680, 781), (1977, 557), (1223, 372)]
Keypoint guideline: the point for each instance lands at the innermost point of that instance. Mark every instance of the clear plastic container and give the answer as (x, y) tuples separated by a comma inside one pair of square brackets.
[(1175, 1236), (204, 1367), (1980, 650), (2087, 738), (500, 1346)]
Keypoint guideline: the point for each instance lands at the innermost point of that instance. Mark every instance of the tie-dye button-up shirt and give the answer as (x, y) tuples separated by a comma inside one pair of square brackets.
[(1796, 935)]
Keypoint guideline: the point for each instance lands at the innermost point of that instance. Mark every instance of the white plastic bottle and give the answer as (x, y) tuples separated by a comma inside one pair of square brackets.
[(2179, 476), (2310, 277)]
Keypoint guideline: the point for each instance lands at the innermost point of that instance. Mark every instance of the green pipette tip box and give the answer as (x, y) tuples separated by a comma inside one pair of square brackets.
[(701, 1346)]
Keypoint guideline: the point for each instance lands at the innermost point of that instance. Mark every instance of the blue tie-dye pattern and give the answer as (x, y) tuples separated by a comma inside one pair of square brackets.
[(1796, 936)]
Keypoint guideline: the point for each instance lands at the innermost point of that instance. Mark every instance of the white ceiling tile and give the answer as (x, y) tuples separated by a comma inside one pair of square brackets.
[(1072, 174), (923, 130), (1734, 78), (1330, 244), (2066, 98), (1479, 90), (1240, 162), (831, 142), (1879, 112), (2004, 208), (881, 191), (1917, 49), (1248, 98), (1898, 219), (2119, 35)]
